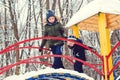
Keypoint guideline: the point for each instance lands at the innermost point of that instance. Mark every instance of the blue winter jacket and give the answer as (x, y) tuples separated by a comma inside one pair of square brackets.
[(78, 51)]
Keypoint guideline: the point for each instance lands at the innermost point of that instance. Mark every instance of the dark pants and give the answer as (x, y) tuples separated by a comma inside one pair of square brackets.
[(57, 60), (78, 66)]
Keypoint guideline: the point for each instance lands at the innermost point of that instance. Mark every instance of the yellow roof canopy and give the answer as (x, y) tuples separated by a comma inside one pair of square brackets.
[(87, 17)]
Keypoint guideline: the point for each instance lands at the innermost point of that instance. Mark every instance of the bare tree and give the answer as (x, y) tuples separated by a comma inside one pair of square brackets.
[(14, 24), (47, 4)]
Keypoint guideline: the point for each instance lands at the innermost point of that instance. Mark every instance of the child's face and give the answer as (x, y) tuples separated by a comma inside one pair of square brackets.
[(51, 19), (70, 43)]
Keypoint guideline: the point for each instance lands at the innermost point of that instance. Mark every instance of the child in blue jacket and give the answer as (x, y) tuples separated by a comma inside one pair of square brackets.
[(78, 52)]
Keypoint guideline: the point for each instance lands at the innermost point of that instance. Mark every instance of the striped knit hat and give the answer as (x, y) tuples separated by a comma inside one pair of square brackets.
[(72, 38)]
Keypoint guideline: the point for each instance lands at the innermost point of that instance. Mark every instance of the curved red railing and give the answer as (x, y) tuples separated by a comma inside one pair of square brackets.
[(63, 56), (118, 63), (108, 56), (12, 65), (12, 47), (49, 37), (113, 49)]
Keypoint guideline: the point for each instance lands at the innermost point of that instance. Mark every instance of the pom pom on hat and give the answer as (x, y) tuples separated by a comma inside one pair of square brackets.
[(72, 38), (49, 14)]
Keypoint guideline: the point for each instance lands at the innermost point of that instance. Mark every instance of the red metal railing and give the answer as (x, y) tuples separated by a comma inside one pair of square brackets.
[(107, 57), (12, 47), (5, 68), (55, 38)]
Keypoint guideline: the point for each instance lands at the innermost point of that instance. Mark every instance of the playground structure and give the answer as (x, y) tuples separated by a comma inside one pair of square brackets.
[(101, 17), (97, 21), (29, 60)]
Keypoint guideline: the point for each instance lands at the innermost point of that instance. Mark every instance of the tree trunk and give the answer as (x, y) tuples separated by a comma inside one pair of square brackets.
[(47, 4), (54, 5), (14, 24)]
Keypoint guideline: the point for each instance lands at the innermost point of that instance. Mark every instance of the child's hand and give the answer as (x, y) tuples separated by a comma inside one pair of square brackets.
[(40, 50)]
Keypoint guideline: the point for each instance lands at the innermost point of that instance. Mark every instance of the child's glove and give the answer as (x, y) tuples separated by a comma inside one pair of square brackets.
[(40, 50)]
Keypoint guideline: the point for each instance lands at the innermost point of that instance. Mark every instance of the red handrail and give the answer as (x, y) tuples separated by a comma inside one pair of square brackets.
[(118, 63), (113, 49), (49, 37), (63, 56), (12, 47)]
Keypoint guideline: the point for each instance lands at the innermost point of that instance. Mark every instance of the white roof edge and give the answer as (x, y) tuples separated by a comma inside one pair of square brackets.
[(94, 7)]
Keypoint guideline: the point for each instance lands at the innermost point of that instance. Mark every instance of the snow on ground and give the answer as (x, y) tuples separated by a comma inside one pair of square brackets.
[(118, 78), (46, 71)]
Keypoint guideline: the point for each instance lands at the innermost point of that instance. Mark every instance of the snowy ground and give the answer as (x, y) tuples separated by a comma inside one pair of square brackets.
[(46, 71), (118, 78)]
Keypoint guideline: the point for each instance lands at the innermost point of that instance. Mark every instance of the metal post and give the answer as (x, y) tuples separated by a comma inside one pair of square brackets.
[(75, 31), (105, 45)]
